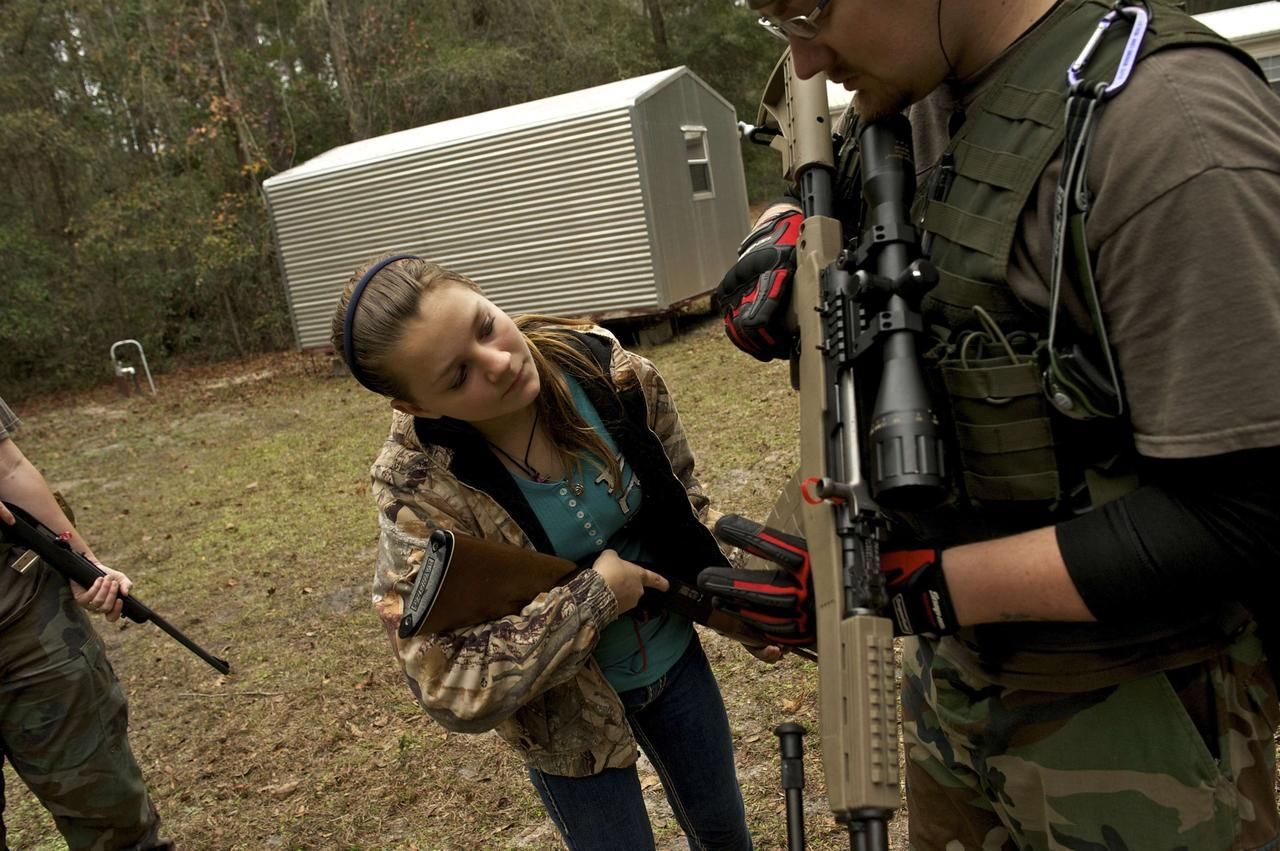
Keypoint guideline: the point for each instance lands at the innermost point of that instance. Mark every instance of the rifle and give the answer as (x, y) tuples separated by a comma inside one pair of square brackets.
[(466, 580), (40, 540), (855, 309)]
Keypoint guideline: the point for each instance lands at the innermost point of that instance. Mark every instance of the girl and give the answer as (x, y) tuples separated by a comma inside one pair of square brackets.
[(545, 433)]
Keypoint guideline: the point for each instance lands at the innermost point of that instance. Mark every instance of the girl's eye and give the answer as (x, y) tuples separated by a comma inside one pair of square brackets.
[(487, 328), (462, 377)]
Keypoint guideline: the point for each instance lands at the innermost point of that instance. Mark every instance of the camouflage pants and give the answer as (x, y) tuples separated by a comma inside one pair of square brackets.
[(63, 727), (1183, 759)]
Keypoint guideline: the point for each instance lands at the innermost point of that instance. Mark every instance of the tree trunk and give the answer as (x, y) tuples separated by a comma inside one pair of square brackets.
[(659, 25), (231, 321), (340, 50), (244, 136)]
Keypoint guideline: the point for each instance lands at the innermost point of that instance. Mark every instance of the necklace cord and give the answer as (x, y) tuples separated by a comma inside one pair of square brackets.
[(524, 466)]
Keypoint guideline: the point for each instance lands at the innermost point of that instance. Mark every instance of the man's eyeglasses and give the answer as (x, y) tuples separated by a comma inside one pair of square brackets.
[(801, 26)]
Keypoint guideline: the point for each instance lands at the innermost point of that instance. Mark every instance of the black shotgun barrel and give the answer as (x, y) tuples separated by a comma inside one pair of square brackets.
[(28, 532)]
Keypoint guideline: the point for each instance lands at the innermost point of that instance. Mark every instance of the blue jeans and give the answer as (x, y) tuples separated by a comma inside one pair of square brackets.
[(680, 723)]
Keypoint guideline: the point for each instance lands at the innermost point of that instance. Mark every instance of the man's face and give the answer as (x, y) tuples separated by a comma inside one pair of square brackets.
[(885, 50)]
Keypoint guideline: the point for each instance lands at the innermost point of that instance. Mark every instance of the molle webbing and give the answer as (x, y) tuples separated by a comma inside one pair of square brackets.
[(1001, 424), (1011, 132)]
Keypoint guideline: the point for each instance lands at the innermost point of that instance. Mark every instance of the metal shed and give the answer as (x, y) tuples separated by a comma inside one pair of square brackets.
[(623, 199)]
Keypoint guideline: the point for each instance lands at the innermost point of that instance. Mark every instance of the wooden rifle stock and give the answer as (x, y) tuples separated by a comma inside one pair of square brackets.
[(464, 581)]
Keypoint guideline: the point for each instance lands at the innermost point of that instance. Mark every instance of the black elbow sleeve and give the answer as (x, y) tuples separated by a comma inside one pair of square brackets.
[(1202, 530)]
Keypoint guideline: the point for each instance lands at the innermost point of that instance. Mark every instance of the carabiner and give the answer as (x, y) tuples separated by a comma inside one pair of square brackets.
[(1140, 18)]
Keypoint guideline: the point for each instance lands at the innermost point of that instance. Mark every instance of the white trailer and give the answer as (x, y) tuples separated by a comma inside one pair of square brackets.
[(621, 200)]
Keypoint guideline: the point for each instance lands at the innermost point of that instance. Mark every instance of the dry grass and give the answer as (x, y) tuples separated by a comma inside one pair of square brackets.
[(237, 500)]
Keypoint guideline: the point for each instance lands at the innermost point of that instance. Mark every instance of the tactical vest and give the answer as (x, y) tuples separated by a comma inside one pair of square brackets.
[(1019, 463)]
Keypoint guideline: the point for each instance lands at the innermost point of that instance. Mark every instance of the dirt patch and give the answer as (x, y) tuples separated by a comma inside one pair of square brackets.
[(237, 499)]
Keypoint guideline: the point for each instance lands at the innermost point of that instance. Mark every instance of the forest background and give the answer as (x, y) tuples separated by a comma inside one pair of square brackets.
[(135, 136)]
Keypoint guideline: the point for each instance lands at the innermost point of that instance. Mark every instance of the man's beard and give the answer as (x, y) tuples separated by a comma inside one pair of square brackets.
[(879, 103)]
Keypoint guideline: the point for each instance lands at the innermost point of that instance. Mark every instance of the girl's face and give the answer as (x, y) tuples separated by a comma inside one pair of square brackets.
[(462, 357)]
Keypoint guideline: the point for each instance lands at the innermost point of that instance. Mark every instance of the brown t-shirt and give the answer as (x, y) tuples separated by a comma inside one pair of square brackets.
[(1185, 235)]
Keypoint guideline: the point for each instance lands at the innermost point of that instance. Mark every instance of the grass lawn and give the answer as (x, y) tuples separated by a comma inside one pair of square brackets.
[(237, 499)]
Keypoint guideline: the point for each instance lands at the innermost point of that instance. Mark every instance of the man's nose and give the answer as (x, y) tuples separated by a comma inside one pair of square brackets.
[(808, 56)]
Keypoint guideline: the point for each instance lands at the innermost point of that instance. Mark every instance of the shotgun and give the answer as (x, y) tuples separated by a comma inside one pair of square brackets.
[(466, 580), (40, 540)]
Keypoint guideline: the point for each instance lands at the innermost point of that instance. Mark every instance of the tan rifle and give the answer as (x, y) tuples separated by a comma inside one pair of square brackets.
[(854, 304)]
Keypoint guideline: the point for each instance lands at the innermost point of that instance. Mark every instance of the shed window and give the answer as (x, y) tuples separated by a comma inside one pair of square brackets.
[(695, 153), (1271, 67)]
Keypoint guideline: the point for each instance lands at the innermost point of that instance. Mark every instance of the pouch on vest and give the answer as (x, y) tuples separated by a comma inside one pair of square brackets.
[(1000, 416)]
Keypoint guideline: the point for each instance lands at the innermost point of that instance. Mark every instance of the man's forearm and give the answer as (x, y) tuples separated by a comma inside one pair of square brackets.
[(21, 483), (1019, 578)]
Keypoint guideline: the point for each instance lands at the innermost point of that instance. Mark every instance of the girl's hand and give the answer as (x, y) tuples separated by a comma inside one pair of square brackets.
[(625, 579)]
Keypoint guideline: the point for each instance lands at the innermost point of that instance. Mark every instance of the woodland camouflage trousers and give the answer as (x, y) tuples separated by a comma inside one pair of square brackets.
[(1183, 759), (63, 726)]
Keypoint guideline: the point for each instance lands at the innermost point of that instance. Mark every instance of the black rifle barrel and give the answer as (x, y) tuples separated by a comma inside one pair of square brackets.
[(29, 532)]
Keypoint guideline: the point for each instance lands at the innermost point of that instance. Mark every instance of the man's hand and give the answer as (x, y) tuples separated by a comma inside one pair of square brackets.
[(779, 603), (919, 601), (754, 293), (106, 595)]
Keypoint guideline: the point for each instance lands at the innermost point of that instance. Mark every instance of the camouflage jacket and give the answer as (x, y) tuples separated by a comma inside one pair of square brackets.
[(531, 676)]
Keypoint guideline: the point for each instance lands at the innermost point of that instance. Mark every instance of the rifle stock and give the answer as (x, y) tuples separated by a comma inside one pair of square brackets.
[(28, 532), (464, 581)]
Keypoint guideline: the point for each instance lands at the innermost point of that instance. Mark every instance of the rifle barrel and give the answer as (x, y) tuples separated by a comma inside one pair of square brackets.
[(219, 665)]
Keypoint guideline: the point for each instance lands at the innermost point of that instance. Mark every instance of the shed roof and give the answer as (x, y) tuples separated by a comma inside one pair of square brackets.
[(521, 116), (1244, 23)]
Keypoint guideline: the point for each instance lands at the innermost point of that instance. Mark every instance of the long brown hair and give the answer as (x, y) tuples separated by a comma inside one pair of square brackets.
[(393, 296)]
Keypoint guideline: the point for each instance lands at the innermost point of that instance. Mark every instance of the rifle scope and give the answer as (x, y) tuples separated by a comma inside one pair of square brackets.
[(905, 445)]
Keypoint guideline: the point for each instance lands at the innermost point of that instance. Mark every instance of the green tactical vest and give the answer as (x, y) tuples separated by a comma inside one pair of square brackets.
[(1019, 463), (1014, 449)]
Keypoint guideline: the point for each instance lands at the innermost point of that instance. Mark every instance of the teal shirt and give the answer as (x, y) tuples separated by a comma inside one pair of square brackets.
[(631, 654)]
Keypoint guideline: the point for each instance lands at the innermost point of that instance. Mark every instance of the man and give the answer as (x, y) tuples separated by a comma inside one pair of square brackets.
[(63, 719), (1090, 676)]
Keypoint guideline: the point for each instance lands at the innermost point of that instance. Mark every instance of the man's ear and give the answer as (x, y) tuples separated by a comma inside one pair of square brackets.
[(406, 407)]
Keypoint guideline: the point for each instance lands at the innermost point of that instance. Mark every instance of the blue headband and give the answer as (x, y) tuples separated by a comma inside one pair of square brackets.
[(348, 323)]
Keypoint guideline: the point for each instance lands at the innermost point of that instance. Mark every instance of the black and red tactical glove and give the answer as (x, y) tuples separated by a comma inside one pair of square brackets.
[(779, 602), (754, 293), (919, 602)]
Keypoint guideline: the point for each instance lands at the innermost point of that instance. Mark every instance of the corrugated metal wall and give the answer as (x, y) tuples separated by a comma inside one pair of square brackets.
[(696, 237), (549, 219)]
